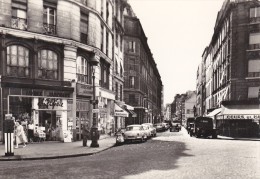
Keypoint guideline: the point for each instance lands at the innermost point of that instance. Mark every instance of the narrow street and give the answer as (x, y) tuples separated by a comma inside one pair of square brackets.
[(169, 155)]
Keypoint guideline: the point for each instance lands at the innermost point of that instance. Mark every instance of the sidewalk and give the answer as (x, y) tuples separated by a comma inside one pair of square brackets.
[(238, 138), (53, 150)]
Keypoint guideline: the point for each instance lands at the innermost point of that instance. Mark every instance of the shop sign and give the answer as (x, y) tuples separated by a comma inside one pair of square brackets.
[(84, 90), (95, 110), (103, 110), (45, 103), (121, 114), (49, 93), (243, 116)]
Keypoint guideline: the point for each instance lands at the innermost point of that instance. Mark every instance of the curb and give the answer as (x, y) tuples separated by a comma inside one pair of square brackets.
[(20, 158)]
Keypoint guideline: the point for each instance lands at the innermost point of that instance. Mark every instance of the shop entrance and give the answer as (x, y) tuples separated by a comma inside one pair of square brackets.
[(49, 121)]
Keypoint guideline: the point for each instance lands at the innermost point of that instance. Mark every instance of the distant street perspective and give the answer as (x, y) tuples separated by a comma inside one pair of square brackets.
[(169, 155), (130, 89)]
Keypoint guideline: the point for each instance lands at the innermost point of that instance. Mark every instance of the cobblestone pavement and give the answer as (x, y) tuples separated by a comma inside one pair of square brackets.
[(169, 155)]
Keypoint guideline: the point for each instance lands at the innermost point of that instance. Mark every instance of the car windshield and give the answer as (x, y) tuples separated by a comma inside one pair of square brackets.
[(133, 128)]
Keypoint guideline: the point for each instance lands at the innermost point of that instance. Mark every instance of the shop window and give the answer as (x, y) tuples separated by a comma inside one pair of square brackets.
[(49, 18), (84, 28), (47, 65), (83, 70), (17, 61), (19, 14)]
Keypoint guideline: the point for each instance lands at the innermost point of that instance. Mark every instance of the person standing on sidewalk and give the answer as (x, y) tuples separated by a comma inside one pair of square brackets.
[(30, 132), (85, 134), (20, 135)]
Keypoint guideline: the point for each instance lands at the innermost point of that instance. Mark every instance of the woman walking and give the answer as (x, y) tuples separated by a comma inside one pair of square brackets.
[(20, 134)]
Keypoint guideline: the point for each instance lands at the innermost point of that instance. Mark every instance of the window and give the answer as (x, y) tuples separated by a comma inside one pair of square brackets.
[(104, 75), (254, 14), (116, 67), (253, 92), (132, 81), (121, 43), (117, 35), (107, 8), (254, 40), (132, 46), (83, 70), (102, 8), (254, 68), (47, 65), (84, 28), (121, 70), (102, 38), (121, 92), (49, 18), (116, 91), (19, 14), (131, 98), (107, 45), (17, 61)]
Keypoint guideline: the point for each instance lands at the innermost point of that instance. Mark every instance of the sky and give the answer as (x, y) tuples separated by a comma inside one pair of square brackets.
[(178, 31)]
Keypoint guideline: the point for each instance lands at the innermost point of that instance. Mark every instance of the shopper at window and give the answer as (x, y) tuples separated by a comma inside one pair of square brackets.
[(20, 135)]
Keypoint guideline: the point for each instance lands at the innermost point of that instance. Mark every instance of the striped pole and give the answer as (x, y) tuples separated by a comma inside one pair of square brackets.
[(9, 144)]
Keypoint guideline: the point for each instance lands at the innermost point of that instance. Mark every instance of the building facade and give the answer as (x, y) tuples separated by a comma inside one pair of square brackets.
[(46, 47), (142, 85), (232, 62)]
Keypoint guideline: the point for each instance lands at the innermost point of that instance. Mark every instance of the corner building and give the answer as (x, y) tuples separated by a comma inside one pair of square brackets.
[(233, 68), (46, 77), (143, 87)]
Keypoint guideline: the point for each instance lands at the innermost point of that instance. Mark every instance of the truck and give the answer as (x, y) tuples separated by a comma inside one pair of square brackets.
[(203, 126)]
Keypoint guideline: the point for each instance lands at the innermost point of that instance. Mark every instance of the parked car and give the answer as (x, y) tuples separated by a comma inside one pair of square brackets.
[(159, 127), (151, 128), (147, 130), (166, 126), (135, 132)]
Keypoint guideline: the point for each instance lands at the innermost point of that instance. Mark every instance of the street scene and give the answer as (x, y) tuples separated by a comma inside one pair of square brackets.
[(129, 89), (169, 155)]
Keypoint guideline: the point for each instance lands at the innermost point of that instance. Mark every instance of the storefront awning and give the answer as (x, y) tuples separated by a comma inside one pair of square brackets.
[(214, 112), (119, 112), (250, 112), (130, 109)]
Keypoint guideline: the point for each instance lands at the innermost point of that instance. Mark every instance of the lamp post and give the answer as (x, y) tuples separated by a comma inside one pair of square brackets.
[(94, 134)]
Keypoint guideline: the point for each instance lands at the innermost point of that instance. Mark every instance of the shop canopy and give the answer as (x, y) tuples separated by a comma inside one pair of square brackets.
[(214, 112), (250, 112), (130, 109), (119, 112)]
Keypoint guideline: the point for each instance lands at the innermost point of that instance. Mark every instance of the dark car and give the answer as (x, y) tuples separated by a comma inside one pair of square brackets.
[(203, 126), (159, 127), (175, 126)]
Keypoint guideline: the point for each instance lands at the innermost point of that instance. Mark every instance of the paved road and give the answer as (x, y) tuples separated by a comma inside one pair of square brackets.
[(169, 155)]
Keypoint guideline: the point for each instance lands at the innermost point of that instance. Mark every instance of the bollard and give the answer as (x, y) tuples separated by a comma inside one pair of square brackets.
[(9, 137)]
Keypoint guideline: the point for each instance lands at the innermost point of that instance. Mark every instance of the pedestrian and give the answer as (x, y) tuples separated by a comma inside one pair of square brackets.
[(20, 134), (30, 132), (85, 134)]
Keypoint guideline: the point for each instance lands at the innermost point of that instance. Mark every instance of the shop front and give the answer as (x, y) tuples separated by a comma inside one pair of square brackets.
[(45, 109), (132, 115), (120, 115), (239, 121), (84, 93)]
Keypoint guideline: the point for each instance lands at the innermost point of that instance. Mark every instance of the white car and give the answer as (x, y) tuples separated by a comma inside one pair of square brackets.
[(151, 128), (147, 130), (135, 132)]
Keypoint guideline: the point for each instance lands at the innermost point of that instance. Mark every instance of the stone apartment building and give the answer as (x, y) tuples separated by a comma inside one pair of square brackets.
[(46, 50), (142, 85), (232, 67)]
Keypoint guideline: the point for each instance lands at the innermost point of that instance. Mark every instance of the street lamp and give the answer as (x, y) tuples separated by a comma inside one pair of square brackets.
[(94, 134)]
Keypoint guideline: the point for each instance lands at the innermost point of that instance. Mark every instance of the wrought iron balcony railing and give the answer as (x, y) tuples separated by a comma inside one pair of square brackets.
[(19, 23), (49, 28)]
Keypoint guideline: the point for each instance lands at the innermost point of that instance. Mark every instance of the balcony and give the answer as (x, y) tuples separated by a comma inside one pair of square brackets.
[(254, 20), (19, 23), (49, 29)]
